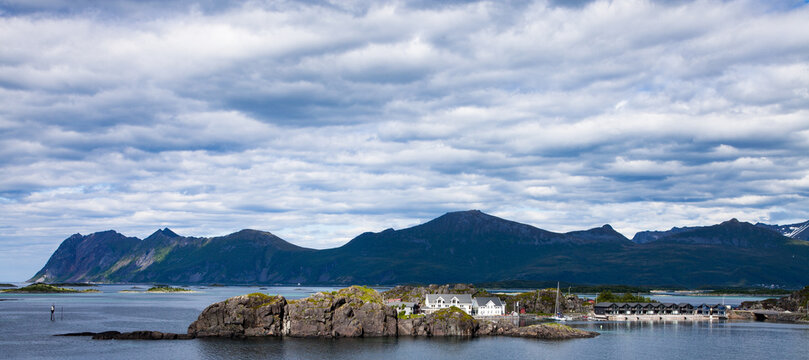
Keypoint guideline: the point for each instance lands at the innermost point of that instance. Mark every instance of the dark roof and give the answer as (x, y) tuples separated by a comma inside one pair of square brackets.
[(462, 298), (481, 301), (635, 304)]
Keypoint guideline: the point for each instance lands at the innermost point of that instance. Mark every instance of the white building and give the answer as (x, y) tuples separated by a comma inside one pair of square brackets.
[(488, 306), (406, 306), (435, 302)]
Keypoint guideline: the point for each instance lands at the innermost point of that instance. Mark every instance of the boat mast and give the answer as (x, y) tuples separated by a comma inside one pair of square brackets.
[(556, 308)]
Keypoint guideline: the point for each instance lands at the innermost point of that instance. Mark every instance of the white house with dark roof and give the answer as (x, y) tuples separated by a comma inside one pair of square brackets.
[(409, 308), (488, 306), (435, 302)]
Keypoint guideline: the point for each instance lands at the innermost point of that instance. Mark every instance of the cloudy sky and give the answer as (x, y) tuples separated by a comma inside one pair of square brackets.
[(321, 120)]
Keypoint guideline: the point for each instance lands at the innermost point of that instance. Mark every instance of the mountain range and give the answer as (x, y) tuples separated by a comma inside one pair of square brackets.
[(466, 246)]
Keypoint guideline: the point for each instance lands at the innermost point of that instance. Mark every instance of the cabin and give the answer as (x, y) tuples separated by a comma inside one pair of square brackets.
[(711, 309), (435, 302), (488, 306)]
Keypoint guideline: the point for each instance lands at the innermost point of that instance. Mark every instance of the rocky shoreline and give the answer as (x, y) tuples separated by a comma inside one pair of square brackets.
[(351, 312)]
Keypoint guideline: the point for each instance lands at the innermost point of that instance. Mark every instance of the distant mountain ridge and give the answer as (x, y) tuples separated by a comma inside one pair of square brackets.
[(465, 246), (798, 231)]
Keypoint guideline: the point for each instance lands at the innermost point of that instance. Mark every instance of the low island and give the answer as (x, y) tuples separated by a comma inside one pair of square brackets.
[(41, 288), (168, 289), (160, 289)]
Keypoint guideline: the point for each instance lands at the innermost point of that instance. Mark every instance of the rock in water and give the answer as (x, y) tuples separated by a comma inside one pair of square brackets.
[(135, 335), (445, 322), (451, 322), (550, 332), (351, 312), (241, 316)]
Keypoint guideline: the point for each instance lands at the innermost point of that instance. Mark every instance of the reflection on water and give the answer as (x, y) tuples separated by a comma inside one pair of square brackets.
[(26, 332)]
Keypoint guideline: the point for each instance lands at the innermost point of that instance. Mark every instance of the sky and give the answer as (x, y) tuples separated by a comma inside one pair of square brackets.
[(320, 120)]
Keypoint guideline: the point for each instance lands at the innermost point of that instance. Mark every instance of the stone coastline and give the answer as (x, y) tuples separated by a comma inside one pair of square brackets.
[(351, 312)]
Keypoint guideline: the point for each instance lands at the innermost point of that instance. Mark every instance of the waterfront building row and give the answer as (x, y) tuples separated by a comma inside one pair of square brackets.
[(631, 308)]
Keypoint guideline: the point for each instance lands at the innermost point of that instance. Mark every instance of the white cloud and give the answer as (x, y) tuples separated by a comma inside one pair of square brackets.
[(318, 122)]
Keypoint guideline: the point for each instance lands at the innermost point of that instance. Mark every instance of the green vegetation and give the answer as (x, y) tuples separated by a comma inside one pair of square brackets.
[(401, 315), (40, 288), (558, 325), (364, 293), (167, 289), (261, 299), (8, 285), (452, 311), (161, 253), (261, 296), (608, 296)]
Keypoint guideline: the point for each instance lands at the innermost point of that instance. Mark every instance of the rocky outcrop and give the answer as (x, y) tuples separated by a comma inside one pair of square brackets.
[(494, 328), (445, 322), (540, 331), (134, 335), (795, 302), (550, 332), (350, 312), (241, 316)]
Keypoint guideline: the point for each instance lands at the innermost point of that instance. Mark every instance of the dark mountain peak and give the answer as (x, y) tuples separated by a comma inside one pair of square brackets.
[(106, 236), (469, 218), (162, 233), (253, 237), (729, 233), (465, 216), (105, 233), (252, 232), (78, 254), (603, 233), (168, 232), (464, 225)]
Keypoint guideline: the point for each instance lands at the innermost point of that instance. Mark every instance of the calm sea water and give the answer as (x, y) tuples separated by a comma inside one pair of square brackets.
[(26, 332)]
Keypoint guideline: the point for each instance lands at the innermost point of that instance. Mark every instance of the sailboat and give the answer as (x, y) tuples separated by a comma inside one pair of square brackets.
[(557, 315)]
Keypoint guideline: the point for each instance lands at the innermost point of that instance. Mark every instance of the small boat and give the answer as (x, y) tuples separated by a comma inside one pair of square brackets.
[(557, 315)]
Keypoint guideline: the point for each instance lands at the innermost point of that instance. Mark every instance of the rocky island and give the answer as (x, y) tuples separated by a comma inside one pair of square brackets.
[(41, 288), (355, 311)]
